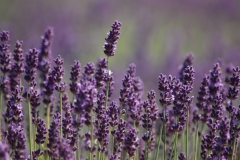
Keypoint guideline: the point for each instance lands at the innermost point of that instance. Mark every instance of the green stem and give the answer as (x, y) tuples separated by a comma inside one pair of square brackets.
[(1, 108), (34, 137), (79, 144), (98, 153), (48, 126), (78, 149), (46, 156), (92, 130), (30, 128), (147, 147), (158, 143), (48, 116), (238, 151), (234, 148), (137, 150), (107, 87), (187, 132), (112, 141), (175, 148), (196, 143), (164, 143), (61, 133)]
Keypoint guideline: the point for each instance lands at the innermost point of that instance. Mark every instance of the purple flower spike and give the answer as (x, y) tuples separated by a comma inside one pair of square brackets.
[(111, 40)]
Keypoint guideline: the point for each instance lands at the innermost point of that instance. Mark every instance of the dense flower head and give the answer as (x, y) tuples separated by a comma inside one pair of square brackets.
[(89, 69), (151, 111), (67, 123), (126, 90), (111, 40), (14, 111), (58, 70), (188, 76), (44, 56), (131, 142), (203, 103), (120, 131), (101, 72), (165, 87), (132, 70), (17, 67), (5, 55), (228, 71), (4, 36), (54, 135), (215, 85), (187, 62), (41, 131), (134, 108), (234, 81), (31, 58), (102, 133), (18, 57), (113, 113), (16, 140), (137, 83), (31, 64), (100, 105), (45, 49), (65, 150), (48, 88), (75, 77)]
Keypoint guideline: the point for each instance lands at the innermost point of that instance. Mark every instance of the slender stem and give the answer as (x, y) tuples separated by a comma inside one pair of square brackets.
[(234, 148), (107, 87), (98, 153), (78, 149), (164, 143), (48, 116), (137, 151), (238, 151), (196, 143), (92, 130), (79, 144), (30, 128), (202, 128), (34, 137), (112, 141), (1, 108), (158, 143), (47, 124), (61, 133), (187, 133), (176, 141), (148, 145)]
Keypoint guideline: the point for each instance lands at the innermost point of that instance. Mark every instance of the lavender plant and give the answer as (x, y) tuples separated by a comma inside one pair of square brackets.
[(85, 121)]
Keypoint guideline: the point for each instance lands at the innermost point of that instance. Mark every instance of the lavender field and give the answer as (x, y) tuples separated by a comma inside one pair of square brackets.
[(162, 84)]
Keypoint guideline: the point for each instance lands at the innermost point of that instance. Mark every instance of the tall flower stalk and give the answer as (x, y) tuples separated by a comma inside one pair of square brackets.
[(30, 77), (109, 50), (58, 73), (165, 86), (5, 65)]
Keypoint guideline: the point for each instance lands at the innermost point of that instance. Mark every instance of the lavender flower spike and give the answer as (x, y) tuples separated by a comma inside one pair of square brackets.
[(111, 40)]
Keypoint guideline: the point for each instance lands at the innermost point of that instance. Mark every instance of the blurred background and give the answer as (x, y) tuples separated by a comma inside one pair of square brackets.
[(156, 35)]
